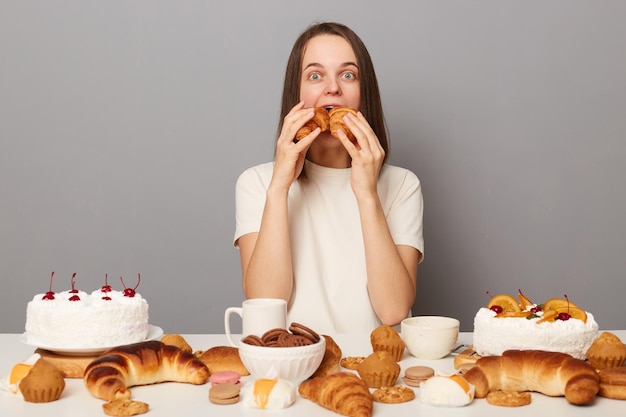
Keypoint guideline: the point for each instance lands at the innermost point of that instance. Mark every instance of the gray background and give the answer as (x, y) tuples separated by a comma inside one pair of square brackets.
[(124, 125)]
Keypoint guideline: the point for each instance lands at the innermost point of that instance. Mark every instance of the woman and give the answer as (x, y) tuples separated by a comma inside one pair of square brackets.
[(328, 226)]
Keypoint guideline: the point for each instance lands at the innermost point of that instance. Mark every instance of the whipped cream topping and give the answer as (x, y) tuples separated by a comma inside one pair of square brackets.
[(90, 322)]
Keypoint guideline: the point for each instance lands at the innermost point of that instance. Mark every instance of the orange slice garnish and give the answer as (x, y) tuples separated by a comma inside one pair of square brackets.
[(505, 301), (574, 313), (554, 303)]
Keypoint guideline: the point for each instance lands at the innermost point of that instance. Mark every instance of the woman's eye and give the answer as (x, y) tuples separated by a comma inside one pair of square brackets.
[(315, 77), (348, 75)]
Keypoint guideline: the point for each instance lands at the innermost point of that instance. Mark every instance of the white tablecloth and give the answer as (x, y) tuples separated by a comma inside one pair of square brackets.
[(176, 399)]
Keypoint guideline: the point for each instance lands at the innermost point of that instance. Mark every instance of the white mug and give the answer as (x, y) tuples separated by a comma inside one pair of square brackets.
[(258, 315)]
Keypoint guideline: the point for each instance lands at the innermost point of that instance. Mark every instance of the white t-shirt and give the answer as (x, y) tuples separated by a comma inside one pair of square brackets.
[(330, 292)]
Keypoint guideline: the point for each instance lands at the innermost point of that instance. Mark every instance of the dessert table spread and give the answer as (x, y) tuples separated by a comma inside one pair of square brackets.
[(177, 399)]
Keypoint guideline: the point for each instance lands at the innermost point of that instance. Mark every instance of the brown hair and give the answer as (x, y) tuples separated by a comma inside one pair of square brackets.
[(370, 104)]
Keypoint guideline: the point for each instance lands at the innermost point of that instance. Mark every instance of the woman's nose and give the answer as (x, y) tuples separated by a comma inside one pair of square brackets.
[(332, 88)]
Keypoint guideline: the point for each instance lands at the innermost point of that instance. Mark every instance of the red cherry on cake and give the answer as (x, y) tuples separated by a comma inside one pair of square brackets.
[(564, 315), (106, 287), (49, 295), (74, 291), (495, 308), (130, 292)]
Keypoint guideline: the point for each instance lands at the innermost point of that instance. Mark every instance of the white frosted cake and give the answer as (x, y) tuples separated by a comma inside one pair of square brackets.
[(493, 335), (77, 320)]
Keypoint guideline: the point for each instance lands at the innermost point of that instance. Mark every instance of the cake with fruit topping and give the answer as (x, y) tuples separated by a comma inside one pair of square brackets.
[(75, 319), (557, 325)]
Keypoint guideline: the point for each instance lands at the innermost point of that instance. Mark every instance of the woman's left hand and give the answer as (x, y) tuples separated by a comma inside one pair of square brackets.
[(366, 152)]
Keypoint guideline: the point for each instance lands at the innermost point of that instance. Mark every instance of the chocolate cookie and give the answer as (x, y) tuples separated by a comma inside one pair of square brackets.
[(299, 329), (272, 336), (253, 340)]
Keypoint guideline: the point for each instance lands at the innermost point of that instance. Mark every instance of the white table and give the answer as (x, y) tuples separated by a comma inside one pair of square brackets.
[(176, 399)]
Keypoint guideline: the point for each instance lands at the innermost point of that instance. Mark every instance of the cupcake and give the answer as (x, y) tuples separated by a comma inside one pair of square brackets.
[(43, 383), (386, 339), (379, 369), (607, 351)]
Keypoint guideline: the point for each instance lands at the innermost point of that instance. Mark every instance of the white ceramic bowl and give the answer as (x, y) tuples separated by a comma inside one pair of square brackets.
[(294, 364), (430, 337)]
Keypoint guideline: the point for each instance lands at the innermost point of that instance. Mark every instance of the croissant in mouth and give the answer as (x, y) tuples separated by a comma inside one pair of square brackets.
[(327, 120)]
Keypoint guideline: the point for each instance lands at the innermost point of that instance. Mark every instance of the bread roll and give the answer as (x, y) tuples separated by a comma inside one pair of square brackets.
[(550, 373), (110, 375), (223, 358), (176, 340)]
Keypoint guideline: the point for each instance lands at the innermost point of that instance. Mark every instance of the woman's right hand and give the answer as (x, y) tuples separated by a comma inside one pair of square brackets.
[(289, 158)]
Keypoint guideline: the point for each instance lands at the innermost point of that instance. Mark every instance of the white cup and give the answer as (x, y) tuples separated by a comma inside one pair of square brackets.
[(429, 337), (258, 315)]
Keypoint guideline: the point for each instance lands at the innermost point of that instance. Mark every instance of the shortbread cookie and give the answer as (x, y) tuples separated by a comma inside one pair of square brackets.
[(125, 408), (393, 395), (509, 398), (352, 362)]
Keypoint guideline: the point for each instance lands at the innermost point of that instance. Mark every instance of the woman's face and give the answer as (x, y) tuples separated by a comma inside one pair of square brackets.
[(330, 75)]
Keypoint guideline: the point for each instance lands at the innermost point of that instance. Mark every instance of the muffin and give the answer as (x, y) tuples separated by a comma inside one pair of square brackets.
[(379, 369), (386, 339), (43, 383), (607, 351)]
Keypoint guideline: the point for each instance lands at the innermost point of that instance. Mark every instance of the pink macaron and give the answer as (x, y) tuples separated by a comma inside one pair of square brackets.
[(224, 377)]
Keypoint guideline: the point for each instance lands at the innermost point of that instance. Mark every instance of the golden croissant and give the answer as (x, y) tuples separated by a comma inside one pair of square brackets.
[(109, 376), (342, 392), (550, 373), (327, 120)]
